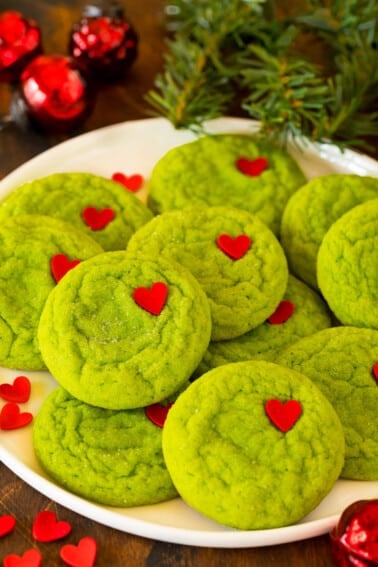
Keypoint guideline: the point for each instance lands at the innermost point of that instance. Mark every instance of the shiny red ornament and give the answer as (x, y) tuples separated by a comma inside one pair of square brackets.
[(354, 540), (54, 94), (20, 42), (104, 41)]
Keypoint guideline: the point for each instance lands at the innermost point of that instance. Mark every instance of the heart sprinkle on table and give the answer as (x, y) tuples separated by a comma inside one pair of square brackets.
[(31, 558), (236, 247), (151, 299), (12, 418), (283, 415), (131, 182), (7, 524), (81, 555), (60, 265), (46, 527), (18, 392)]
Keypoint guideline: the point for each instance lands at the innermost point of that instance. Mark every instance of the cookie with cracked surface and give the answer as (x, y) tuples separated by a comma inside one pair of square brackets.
[(121, 332), (235, 257), (311, 211), (341, 362), (108, 456), (301, 313), (28, 245), (102, 208), (253, 445), (347, 266), (226, 169)]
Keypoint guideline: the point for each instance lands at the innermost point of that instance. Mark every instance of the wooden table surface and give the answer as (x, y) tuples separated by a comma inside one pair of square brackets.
[(116, 103)]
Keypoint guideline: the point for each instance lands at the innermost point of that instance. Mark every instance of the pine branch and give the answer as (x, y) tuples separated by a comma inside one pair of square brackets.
[(233, 50), (195, 85), (288, 97)]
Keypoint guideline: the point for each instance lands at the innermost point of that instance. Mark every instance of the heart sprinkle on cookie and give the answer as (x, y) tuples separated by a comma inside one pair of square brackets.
[(18, 392), (12, 418), (375, 371), (60, 265), (31, 558), (97, 219), (81, 555), (252, 167), (236, 247), (47, 528), (283, 415), (151, 299), (7, 525), (283, 312), (131, 182), (157, 413)]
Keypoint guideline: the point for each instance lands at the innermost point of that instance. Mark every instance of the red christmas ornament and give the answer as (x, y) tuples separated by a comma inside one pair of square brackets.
[(20, 42), (104, 41), (354, 541), (53, 94)]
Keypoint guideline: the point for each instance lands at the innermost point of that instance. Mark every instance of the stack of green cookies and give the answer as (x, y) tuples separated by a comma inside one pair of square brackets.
[(194, 339)]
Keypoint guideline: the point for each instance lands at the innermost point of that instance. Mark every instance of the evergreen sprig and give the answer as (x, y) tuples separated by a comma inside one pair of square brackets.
[(227, 55), (195, 85)]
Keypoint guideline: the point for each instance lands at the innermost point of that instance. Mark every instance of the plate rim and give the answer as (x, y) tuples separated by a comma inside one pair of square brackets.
[(224, 538)]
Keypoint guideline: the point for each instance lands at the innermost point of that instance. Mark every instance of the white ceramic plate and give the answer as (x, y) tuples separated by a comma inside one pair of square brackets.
[(134, 147)]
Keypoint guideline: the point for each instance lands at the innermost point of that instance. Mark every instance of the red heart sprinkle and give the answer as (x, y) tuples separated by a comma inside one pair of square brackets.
[(31, 558), (131, 182), (19, 392), (157, 413), (152, 299), (283, 312), (7, 525), (82, 555), (47, 528), (252, 167), (375, 371), (283, 415), (12, 418), (60, 265), (97, 219), (236, 247)]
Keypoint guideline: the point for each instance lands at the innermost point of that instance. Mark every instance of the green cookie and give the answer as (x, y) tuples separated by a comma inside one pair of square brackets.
[(311, 211), (347, 266), (205, 172), (27, 246), (340, 361), (243, 289), (111, 457), (253, 445), (306, 312), (121, 332), (102, 208)]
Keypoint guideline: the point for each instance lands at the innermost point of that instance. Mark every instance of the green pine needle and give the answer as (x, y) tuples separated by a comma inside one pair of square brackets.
[(227, 54)]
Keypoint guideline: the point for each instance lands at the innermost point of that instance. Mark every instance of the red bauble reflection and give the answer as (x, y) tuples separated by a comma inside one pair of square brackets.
[(20, 42), (104, 41), (354, 541), (54, 94)]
